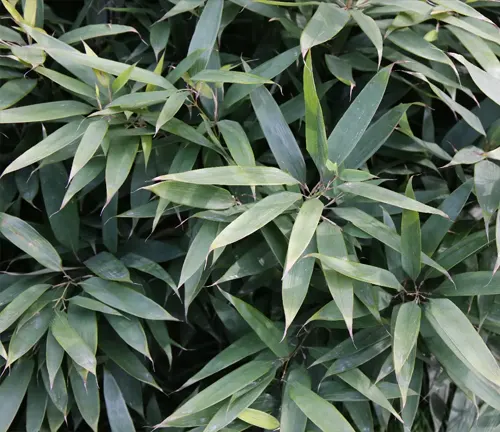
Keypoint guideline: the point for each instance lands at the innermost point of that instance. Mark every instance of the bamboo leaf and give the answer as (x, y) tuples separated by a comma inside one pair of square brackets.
[(411, 243)]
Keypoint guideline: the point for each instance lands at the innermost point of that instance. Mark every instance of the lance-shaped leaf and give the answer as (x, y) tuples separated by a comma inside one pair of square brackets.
[(296, 284), (370, 29), (15, 90), (118, 415), (377, 193), (262, 326), (56, 141), (86, 397), (278, 134), (44, 112), (121, 156), (221, 389), (12, 392), (242, 348), (406, 330), (91, 140), (72, 343), (36, 405), (331, 243), (255, 218), (358, 380), (94, 31), (292, 418), (107, 266), (226, 76), (316, 141), (26, 238), (121, 297), (237, 142), (487, 185), (411, 243), (201, 196), (233, 176), (19, 305), (326, 22), (487, 83), (303, 230), (173, 104), (461, 337), (361, 272), (322, 413), (353, 124)]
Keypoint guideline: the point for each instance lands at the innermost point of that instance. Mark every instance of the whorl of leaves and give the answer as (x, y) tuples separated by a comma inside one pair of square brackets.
[(225, 215)]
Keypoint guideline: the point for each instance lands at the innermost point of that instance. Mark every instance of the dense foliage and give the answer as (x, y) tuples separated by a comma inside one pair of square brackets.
[(226, 215)]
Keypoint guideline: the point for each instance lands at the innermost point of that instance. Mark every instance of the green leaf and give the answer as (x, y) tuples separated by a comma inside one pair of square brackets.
[(116, 408), (44, 112), (138, 101), (131, 332), (29, 334), (122, 79), (181, 7), (91, 141), (278, 134), (173, 104), (376, 193), (470, 284), (19, 305), (268, 69), (56, 141), (331, 243), (15, 90), (86, 397), (126, 360), (237, 351), (340, 69), (205, 33), (296, 284), (461, 337), (259, 419), (435, 228), (361, 272), (121, 156), (237, 143), (36, 406), (370, 29), (479, 49), (108, 267), (54, 355), (358, 380), (412, 42), (91, 304), (292, 418), (69, 83), (84, 177), (361, 415), (316, 141), (72, 343), (65, 223), (237, 405), (382, 232), (233, 176), (318, 410), (327, 21), (487, 83), (255, 218), (121, 297), (411, 243), (226, 76), (198, 250), (94, 31), (145, 265), (262, 326), (487, 187), (12, 391), (375, 136), (221, 389), (353, 124), (406, 329), (201, 196)]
